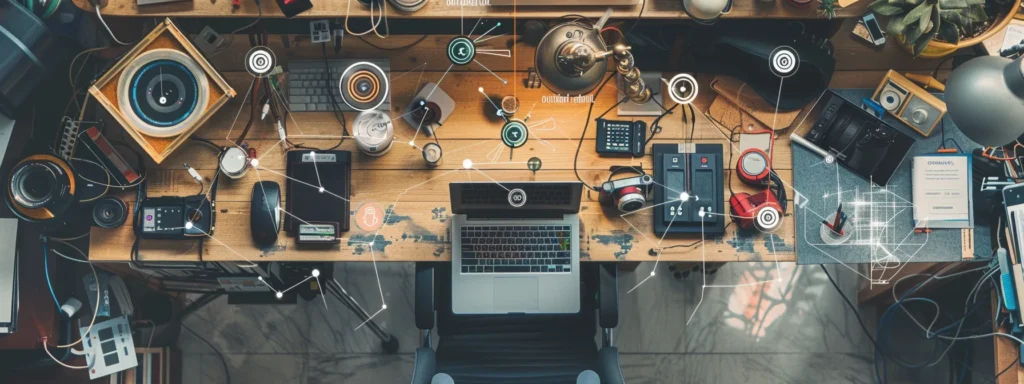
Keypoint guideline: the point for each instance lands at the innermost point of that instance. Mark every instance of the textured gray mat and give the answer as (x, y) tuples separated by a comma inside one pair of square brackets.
[(879, 216)]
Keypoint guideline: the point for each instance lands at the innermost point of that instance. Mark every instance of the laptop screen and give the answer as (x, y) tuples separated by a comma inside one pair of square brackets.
[(506, 199)]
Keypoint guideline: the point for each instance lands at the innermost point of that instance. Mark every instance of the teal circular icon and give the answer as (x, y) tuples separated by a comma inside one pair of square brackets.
[(461, 50), (514, 133)]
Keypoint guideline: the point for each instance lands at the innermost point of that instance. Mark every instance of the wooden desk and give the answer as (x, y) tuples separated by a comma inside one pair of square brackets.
[(438, 9), (418, 229), (1006, 356)]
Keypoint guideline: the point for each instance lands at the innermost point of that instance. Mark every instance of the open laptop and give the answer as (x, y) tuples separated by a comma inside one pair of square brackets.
[(515, 247)]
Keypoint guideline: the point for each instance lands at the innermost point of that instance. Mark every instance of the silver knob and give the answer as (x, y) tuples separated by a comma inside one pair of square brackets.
[(919, 116)]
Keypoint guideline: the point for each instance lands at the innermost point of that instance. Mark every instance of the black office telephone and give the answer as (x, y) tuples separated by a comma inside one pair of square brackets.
[(616, 137)]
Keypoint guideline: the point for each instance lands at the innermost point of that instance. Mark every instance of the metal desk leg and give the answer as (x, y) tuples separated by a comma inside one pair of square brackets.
[(388, 341)]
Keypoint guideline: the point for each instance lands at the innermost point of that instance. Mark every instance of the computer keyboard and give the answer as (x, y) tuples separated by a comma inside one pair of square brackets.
[(309, 84), (516, 249)]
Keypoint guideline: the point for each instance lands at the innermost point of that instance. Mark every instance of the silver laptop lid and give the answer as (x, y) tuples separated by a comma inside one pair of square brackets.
[(515, 199)]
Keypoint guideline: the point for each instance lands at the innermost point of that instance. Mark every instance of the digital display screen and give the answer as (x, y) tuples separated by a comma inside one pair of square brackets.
[(873, 28)]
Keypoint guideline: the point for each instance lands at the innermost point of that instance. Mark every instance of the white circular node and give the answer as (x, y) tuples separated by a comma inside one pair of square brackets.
[(701, 213), (830, 159), (188, 225), (371, 243), (423, 103), (652, 273), (315, 273), (683, 88), (481, 89), (517, 198), (467, 163), (383, 306), (768, 219), (784, 61), (684, 196), (254, 162), (411, 143), (321, 189), (260, 278), (279, 295), (259, 61), (312, 155)]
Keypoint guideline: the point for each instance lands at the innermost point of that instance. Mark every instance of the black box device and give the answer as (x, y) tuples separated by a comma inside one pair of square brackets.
[(693, 171), (621, 137), (308, 172)]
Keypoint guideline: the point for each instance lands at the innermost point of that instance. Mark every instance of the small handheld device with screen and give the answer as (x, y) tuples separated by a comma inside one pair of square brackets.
[(1013, 200), (871, 22)]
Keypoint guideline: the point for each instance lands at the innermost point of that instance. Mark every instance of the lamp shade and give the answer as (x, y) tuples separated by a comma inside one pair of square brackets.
[(985, 98), (562, 77), (25, 46)]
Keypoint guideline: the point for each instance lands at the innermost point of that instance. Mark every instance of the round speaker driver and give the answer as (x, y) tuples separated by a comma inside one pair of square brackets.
[(163, 92), (364, 86)]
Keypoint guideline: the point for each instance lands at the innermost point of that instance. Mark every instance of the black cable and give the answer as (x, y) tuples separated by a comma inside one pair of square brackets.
[(655, 125), (853, 308), (638, 16), (334, 101), (732, 133), (622, 100), (220, 355), (586, 124), (693, 120), (1012, 363), (407, 46), (206, 141)]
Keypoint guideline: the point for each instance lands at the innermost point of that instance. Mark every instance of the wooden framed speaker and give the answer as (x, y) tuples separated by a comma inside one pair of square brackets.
[(162, 90)]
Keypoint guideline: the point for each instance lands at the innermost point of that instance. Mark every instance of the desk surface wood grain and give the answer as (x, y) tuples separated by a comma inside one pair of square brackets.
[(417, 197)]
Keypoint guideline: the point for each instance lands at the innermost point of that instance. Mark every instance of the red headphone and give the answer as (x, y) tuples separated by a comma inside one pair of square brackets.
[(762, 210)]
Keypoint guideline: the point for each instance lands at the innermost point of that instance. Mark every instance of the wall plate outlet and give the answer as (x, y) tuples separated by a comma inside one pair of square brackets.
[(320, 31)]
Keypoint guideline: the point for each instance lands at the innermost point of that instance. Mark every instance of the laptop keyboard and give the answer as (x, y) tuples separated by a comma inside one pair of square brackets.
[(516, 249)]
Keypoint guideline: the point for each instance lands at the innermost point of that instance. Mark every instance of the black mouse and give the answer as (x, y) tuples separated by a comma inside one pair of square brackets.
[(265, 213)]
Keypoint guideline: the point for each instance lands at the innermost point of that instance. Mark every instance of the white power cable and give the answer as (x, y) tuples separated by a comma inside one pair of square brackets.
[(104, 22)]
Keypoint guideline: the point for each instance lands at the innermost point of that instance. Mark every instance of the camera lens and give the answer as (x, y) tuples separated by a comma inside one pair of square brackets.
[(109, 212), (33, 185), (631, 206), (40, 188)]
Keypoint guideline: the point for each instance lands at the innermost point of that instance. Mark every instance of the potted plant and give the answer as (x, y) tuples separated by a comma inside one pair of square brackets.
[(937, 28)]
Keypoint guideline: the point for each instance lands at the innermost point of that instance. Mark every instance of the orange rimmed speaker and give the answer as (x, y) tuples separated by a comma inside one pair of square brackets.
[(162, 91)]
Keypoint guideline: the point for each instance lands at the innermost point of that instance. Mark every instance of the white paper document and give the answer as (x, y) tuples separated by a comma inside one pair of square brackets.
[(942, 191)]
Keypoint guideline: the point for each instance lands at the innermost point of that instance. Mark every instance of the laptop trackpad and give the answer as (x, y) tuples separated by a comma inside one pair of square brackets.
[(516, 294)]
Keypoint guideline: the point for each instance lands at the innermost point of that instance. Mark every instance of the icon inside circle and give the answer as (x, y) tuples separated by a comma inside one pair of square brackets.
[(514, 133), (517, 197), (461, 50), (370, 217)]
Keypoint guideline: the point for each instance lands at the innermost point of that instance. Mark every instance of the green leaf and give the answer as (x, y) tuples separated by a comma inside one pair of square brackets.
[(912, 34), (923, 41), (920, 12), (949, 33), (896, 26), (926, 20), (976, 14), (952, 17), (886, 9), (954, 4)]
